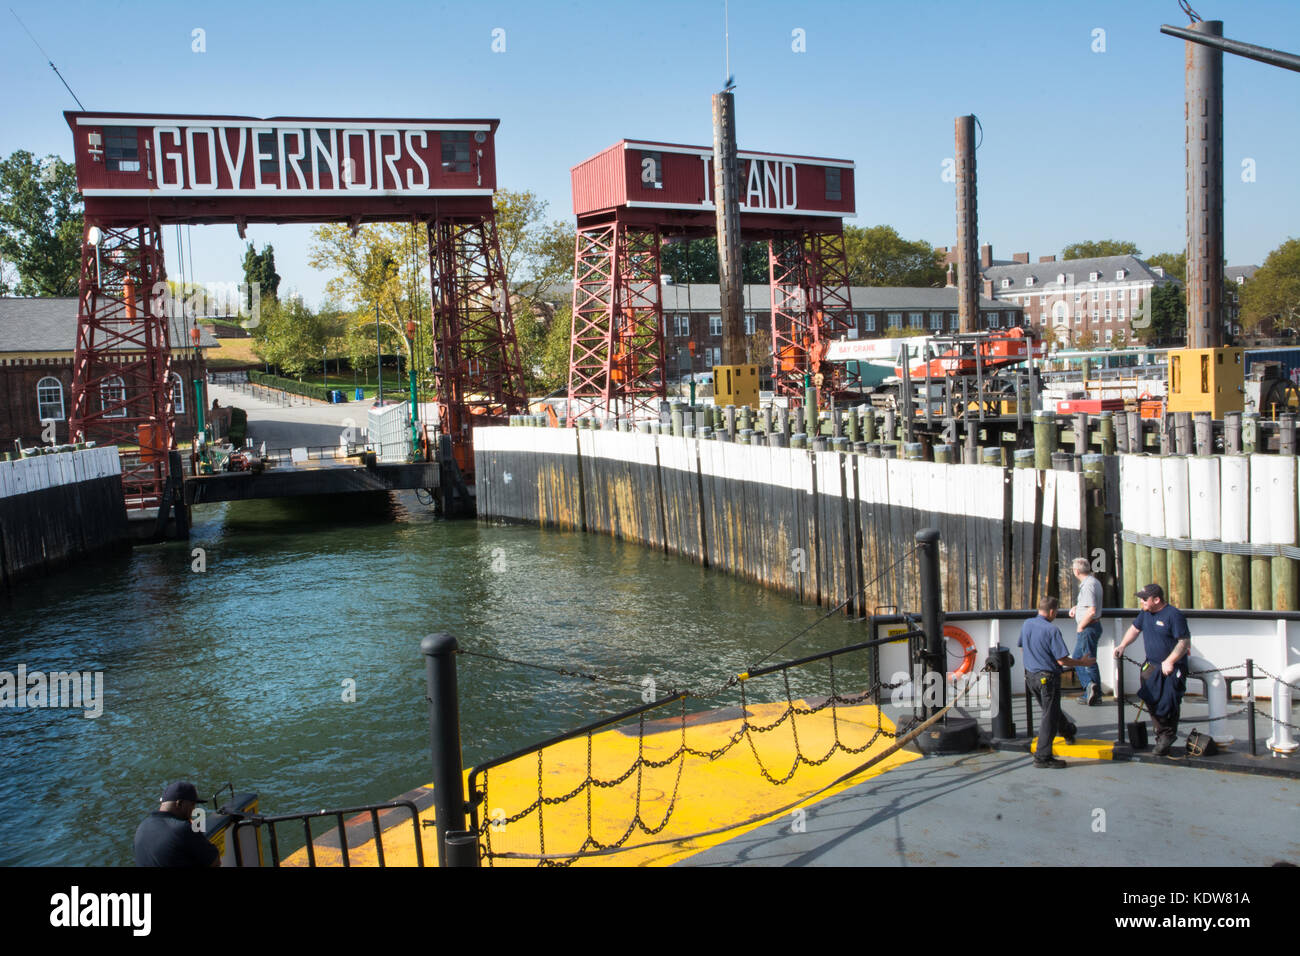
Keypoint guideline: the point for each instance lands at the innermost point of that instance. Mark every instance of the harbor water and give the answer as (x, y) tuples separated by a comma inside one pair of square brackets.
[(278, 651)]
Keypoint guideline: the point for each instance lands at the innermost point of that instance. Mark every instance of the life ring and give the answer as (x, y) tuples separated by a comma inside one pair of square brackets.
[(952, 632)]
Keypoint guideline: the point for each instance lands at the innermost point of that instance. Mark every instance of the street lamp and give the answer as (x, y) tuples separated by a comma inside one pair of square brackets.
[(324, 368)]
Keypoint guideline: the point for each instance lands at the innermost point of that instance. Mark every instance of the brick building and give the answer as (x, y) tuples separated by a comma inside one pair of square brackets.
[(38, 339), (692, 313), (1099, 297)]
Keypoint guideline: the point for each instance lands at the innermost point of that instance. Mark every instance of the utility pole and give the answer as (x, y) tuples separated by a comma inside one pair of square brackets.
[(726, 194)]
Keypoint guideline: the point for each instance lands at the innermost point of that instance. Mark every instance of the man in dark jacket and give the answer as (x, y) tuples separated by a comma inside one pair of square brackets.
[(165, 838), (1045, 657), (1167, 642)]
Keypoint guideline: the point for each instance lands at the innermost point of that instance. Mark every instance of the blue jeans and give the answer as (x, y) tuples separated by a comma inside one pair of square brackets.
[(1086, 646)]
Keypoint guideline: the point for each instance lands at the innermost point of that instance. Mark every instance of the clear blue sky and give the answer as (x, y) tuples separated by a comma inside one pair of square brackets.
[(1077, 144)]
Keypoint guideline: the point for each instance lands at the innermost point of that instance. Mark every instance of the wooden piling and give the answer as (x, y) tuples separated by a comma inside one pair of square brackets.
[(1107, 433), (1182, 434), (1249, 433), (869, 425), (1044, 439), (1234, 528), (1203, 425), (1286, 436), (943, 454), (1232, 433), (1134, 429), (1081, 433)]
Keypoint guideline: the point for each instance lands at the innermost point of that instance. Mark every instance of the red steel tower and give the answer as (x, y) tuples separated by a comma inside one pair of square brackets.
[(635, 194)]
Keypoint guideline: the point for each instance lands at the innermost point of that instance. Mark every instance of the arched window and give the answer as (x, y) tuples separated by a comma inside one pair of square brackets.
[(178, 394), (49, 399), (113, 392)]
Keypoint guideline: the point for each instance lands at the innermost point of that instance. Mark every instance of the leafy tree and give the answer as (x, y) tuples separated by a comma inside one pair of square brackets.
[(555, 354), (1174, 263), (1119, 339), (41, 225), (1163, 318), (537, 255), (1272, 297), (291, 336), (879, 256), (1099, 248), (1086, 340), (696, 260), (259, 267)]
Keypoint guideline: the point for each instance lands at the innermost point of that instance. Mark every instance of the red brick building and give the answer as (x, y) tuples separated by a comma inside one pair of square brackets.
[(37, 341)]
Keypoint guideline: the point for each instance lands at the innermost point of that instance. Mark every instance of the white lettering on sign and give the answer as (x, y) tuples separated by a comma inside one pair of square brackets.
[(771, 186), (272, 156), (172, 158)]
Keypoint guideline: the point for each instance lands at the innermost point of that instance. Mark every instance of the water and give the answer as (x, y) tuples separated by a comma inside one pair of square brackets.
[(238, 674)]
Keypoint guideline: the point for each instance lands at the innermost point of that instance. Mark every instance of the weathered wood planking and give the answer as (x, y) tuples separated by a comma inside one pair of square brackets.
[(826, 527)]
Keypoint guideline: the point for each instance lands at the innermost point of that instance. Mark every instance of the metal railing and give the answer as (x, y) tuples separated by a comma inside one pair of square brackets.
[(253, 820)]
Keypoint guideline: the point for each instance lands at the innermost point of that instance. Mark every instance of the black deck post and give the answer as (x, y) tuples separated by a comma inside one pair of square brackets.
[(1119, 695), (439, 652), (1003, 728), (927, 546)]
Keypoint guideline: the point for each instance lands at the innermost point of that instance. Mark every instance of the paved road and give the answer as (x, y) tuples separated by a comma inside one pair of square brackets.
[(287, 426)]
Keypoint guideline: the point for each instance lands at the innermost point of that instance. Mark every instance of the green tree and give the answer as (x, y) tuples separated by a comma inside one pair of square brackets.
[(555, 353), (1097, 249), (879, 256), (259, 268), (696, 260), (537, 255), (291, 336), (1174, 263), (1163, 318), (41, 226), (1272, 297)]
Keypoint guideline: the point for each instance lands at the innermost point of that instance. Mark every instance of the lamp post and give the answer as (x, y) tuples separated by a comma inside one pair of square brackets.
[(324, 368), (379, 358)]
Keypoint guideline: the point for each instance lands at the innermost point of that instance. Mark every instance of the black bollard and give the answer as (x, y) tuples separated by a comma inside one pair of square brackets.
[(1001, 662), (1119, 695), (439, 652)]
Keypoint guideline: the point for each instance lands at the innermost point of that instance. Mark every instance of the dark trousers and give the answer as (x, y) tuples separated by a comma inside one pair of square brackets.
[(1046, 688), (1166, 728)]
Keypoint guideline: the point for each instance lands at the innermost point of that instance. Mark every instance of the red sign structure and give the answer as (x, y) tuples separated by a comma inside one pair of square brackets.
[(634, 195), (139, 172)]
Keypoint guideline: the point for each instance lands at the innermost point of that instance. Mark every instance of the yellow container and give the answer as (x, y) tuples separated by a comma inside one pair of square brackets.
[(735, 385), (1207, 380)]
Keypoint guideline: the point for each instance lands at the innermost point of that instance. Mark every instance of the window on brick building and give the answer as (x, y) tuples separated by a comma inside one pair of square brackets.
[(178, 394), (683, 325), (113, 392), (49, 399), (895, 320), (868, 321), (916, 320), (715, 325), (936, 320)]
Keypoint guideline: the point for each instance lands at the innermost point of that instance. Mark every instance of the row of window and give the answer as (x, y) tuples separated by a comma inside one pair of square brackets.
[(50, 406), (679, 325), (1120, 275), (1097, 296), (1097, 316)]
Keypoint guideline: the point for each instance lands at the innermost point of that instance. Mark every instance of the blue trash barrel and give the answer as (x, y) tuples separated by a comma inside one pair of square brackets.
[(360, 394)]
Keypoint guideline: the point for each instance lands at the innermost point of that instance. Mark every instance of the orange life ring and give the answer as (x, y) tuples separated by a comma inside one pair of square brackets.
[(952, 632)]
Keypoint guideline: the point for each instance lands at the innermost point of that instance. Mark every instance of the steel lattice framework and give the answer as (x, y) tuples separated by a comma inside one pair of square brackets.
[(616, 364), (811, 306), (121, 385), (478, 370)]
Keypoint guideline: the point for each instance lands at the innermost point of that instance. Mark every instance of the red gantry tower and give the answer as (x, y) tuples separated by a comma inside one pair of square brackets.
[(634, 195)]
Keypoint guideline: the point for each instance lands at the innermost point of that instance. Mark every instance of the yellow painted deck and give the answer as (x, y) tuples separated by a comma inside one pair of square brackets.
[(702, 794), (1081, 748)]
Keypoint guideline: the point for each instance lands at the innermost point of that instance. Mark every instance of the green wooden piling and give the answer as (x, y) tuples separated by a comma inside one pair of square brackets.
[(943, 454), (1261, 583), (1286, 582), (1209, 580), (1107, 433), (1044, 439)]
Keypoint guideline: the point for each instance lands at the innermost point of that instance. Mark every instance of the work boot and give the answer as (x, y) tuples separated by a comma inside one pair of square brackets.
[(1052, 764)]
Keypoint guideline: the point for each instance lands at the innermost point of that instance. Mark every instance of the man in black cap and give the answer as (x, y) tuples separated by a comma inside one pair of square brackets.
[(165, 838), (1167, 641)]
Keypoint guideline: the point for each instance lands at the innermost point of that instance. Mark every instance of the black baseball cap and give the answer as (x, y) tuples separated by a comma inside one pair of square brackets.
[(1151, 591), (181, 791)]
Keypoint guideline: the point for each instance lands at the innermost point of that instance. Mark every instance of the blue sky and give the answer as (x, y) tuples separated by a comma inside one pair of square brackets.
[(1077, 144)]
